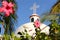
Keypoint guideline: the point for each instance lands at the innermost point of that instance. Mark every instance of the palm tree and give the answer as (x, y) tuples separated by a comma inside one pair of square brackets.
[(56, 10), (54, 14)]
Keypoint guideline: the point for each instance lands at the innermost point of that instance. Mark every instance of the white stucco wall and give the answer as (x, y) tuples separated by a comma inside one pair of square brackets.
[(31, 29)]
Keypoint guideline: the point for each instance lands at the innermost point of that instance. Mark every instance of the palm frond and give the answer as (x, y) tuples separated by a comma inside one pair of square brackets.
[(56, 8), (49, 17)]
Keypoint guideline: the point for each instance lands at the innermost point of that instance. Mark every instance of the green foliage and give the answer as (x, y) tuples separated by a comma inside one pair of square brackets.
[(41, 36), (25, 36), (54, 30), (6, 37), (16, 38)]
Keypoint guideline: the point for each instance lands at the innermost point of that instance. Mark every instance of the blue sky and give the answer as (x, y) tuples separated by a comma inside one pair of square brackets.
[(23, 12)]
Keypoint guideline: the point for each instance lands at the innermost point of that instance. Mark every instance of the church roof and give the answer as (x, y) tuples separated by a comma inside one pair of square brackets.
[(34, 14)]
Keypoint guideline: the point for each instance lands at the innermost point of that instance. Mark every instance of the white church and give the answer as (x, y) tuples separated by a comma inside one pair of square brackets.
[(30, 27)]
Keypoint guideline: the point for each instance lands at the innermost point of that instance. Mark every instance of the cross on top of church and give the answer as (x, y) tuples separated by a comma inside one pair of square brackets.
[(34, 7)]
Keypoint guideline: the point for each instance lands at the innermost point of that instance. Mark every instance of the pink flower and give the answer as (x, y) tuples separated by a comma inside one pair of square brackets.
[(11, 4), (37, 24), (7, 8), (1, 9), (4, 3)]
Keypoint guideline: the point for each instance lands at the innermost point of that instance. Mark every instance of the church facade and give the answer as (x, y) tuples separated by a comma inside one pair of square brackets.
[(29, 27)]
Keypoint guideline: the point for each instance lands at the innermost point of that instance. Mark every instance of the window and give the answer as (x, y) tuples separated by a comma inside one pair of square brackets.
[(32, 20), (38, 19)]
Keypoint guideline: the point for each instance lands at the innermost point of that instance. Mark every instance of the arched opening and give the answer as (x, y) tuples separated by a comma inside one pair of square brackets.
[(32, 19), (19, 33)]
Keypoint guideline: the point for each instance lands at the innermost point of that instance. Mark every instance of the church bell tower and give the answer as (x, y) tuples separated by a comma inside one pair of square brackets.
[(34, 16)]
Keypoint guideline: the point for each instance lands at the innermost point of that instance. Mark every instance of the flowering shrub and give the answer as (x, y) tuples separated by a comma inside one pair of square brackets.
[(8, 15)]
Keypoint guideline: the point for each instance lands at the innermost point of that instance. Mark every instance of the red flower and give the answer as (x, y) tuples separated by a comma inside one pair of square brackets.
[(37, 24), (7, 8)]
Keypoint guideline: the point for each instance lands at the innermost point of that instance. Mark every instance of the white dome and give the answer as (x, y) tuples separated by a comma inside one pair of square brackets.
[(31, 29)]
